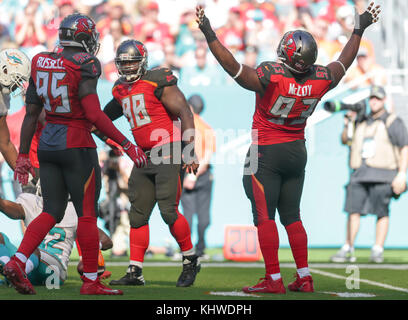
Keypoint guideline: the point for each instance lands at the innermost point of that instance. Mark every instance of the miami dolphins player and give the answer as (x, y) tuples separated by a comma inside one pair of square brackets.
[(52, 255), (15, 69)]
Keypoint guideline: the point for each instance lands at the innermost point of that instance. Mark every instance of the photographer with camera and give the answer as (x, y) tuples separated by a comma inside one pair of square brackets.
[(378, 162)]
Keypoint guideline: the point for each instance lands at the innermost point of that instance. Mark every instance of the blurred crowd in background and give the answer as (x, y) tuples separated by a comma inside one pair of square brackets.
[(251, 29)]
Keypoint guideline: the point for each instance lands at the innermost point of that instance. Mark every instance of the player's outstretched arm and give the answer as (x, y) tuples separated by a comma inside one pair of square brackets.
[(12, 209), (244, 75), (7, 148), (363, 21)]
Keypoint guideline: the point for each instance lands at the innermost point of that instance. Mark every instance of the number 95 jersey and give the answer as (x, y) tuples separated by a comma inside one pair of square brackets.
[(54, 83), (151, 123), (281, 112)]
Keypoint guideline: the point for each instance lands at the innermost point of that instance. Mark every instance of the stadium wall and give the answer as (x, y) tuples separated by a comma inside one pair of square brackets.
[(229, 110)]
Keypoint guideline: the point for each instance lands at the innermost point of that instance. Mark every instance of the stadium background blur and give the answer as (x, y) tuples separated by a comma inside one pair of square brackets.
[(251, 30)]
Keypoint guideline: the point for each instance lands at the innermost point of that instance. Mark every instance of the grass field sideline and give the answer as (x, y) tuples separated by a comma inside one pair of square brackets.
[(223, 280)]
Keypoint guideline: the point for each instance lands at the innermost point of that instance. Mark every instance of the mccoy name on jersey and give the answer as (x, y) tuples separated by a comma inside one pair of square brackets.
[(281, 112)]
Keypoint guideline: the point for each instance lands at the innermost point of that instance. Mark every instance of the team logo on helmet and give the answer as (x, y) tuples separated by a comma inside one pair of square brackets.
[(84, 25), (290, 46), (13, 59)]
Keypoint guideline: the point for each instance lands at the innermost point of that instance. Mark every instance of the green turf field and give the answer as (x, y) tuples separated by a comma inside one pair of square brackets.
[(222, 280)]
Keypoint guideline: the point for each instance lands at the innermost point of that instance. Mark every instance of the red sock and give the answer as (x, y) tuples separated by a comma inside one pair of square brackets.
[(181, 232), (268, 237), (78, 248), (88, 239), (139, 242), (35, 233), (298, 243)]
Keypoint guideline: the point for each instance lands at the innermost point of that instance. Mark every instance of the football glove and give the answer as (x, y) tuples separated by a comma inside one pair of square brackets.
[(23, 168), (363, 21), (204, 25), (136, 154)]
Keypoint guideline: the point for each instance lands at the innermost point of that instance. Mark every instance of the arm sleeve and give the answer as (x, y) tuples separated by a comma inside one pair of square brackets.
[(99, 119), (31, 94), (113, 109)]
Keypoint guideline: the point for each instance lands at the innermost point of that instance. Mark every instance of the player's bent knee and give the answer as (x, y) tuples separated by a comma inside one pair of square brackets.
[(137, 220), (289, 219), (169, 217)]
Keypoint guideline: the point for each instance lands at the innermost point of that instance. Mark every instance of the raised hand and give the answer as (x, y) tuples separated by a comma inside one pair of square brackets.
[(204, 25), (370, 16)]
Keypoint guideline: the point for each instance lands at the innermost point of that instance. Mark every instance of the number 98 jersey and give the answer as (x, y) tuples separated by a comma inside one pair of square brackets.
[(54, 83), (281, 112), (151, 123)]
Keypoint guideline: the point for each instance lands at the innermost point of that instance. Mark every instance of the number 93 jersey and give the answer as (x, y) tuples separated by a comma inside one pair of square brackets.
[(54, 83), (151, 124), (281, 112)]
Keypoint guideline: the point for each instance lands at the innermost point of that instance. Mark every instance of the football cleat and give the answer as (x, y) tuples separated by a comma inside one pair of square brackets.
[(14, 271), (191, 266), (304, 284), (133, 277), (95, 287), (266, 285)]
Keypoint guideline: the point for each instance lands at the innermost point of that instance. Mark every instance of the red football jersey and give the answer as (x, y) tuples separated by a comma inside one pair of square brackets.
[(281, 112), (54, 83), (151, 123)]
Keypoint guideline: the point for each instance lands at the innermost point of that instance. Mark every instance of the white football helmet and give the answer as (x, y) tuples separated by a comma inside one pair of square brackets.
[(15, 69)]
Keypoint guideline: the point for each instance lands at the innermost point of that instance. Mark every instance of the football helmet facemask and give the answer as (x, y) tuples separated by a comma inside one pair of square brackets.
[(297, 50), (15, 69), (131, 60), (78, 30)]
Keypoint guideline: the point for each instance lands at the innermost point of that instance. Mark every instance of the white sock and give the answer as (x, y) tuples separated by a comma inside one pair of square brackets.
[(91, 275), (21, 257), (188, 252), (4, 259), (29, 266), (276, 276), (136, 263), (303, 272), (346, 247), (377, 248)]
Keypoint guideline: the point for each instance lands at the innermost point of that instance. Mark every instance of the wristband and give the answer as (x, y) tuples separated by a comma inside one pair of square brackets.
[(239, 72)]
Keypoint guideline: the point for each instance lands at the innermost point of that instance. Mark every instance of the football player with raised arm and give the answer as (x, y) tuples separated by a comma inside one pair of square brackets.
[(64, 84), (287, 92), (159, 117)]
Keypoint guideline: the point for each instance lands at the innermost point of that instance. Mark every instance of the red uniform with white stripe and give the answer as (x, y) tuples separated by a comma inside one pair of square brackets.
[(281, 113), (151, 124)]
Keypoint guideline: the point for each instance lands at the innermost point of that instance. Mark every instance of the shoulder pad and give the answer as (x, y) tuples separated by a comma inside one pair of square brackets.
[(161, 76)]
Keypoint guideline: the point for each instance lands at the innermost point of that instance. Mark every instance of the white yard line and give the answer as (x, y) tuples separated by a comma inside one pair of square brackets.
[(261, 265), (372, 283)]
